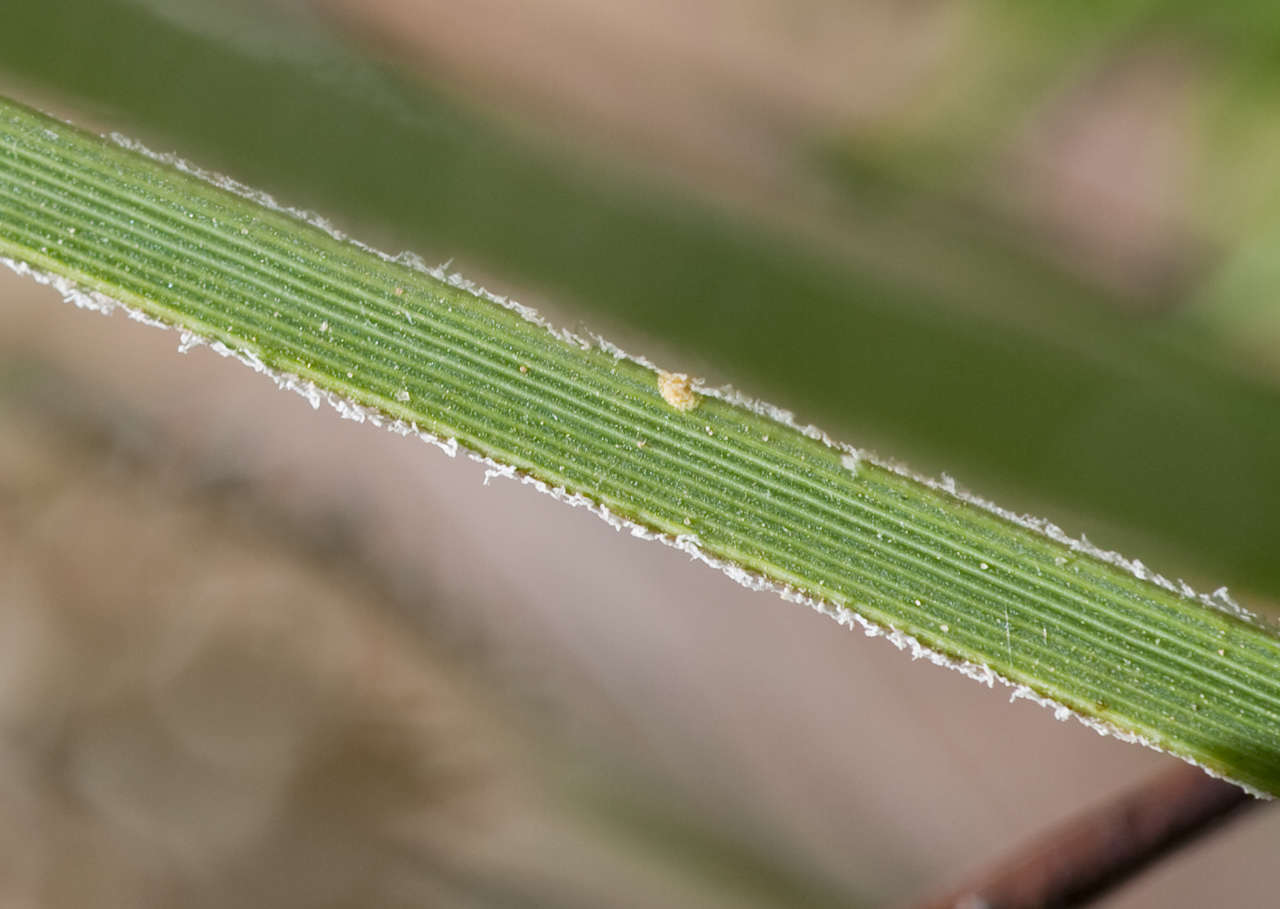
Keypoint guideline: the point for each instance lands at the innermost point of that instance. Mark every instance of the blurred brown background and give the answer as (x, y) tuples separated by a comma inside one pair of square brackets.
[(252, 654)]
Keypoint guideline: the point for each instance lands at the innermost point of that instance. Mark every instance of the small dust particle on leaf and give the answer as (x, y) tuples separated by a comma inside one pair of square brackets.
[(676, 390)]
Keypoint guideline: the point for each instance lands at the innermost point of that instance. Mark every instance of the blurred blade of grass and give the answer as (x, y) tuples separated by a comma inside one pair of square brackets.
[(1248, 30), (1120, 419)]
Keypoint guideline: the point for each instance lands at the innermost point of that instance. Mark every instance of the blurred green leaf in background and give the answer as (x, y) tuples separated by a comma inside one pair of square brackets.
[(938, 316)]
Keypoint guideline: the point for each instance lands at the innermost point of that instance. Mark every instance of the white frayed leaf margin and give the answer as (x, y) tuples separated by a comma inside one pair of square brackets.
[(851, 457)]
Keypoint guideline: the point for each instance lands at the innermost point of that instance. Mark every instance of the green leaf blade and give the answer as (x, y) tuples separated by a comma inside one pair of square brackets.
[(760, 498)]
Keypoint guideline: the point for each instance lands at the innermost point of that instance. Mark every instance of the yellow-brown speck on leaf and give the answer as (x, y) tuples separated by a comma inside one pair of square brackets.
[(676, 390)]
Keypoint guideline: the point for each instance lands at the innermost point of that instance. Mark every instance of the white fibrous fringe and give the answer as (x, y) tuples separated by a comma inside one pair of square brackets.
[(188, 340), (407, 259), (849, 618), (851, 457)]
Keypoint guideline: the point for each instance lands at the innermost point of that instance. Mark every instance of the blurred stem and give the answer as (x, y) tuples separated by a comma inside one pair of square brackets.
[(1106, 847)]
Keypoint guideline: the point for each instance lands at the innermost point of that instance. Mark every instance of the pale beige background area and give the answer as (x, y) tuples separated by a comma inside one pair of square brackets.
[(253, 654)]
